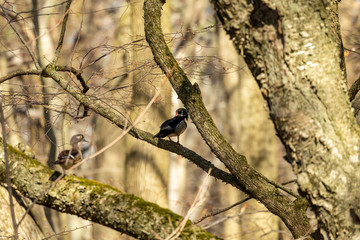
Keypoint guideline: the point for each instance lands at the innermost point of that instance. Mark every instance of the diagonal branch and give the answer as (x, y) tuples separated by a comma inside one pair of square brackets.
[(254, 183), (63, 30), (354, 89), (31, 53), (105, 112), (77, 74)]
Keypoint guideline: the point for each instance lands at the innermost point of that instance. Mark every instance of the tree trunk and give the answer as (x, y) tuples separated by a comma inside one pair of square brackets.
[(294, 51)]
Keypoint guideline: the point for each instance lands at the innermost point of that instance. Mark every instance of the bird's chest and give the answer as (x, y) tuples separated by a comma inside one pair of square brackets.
[(179, 129)]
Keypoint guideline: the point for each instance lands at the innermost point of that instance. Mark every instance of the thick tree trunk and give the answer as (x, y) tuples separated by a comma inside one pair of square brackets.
[(294, 50)]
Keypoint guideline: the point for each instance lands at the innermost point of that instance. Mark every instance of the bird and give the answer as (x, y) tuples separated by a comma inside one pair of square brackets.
[(174, 126), (68, 158)]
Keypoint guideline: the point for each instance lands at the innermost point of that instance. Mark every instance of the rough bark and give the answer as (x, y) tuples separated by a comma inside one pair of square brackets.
[(294, 50), (93, 201), (255, 184)]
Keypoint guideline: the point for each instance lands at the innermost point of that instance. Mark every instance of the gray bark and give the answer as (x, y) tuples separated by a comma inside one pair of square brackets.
[(294, 50)]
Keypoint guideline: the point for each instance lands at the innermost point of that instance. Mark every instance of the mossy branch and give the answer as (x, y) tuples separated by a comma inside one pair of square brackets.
[(93, 201)]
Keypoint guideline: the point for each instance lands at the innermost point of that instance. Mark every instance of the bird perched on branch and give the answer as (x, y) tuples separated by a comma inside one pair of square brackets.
[(68, 158), (174, 126)]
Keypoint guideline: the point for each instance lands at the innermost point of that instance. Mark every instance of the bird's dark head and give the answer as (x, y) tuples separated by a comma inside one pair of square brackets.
[(181, 112), (77, 138)]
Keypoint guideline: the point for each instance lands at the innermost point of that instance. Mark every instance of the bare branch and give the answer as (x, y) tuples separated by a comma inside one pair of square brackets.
[(20, 73), (222, 210), (63, 30), (196, 203), (9, 20), (77, 74), (104, 111)]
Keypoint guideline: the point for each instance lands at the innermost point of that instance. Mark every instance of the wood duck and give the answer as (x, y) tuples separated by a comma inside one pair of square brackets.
[(68, 158), (174, 126)]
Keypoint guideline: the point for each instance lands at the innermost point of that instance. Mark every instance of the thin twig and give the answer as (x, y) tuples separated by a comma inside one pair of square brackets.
[(282, 188), (67, 231), (193, 206), (18, 73), (232, 216), (32, 55), (288, 182), (63, 30), (125, 131), (7, 169), (222, 210)]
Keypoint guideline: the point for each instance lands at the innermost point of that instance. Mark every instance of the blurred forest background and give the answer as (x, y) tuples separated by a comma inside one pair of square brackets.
[(105, 40)]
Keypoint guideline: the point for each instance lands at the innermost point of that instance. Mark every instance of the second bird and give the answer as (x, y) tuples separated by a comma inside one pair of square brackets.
[(174, 126), (69, 158)]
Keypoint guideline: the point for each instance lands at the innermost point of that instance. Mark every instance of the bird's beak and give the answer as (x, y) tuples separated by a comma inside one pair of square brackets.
[(85, 140)]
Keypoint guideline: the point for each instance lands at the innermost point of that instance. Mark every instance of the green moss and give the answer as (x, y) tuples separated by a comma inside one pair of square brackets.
[(15, 151), (301, 204)]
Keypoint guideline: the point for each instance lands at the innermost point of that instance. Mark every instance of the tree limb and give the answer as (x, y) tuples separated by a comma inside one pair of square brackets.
[(20, 73), (31, 53), (105, 112), (254, 183), (93, 201), (354, 89), (63, 30)]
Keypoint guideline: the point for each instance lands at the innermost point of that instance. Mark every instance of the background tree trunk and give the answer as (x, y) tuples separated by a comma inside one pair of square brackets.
[(146, 169), (251, 133), (28, 229)]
